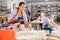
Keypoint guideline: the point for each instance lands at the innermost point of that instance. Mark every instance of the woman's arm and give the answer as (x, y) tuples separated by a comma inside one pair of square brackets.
[(13, 19), (27, 24), (11, 16)]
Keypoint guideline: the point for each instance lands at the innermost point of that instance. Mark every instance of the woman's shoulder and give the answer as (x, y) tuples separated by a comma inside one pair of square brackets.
[(46, 18), (24, 13), (14, 12)]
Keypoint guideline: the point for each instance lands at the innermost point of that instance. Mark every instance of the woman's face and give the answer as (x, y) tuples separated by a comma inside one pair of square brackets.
[(51, 17), (42, 14), (22, 7)]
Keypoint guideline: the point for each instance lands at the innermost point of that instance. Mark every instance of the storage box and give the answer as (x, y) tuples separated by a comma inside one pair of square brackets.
[(7, 35)]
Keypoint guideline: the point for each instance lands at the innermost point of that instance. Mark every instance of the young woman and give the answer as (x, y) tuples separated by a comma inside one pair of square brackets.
[(17, 16)]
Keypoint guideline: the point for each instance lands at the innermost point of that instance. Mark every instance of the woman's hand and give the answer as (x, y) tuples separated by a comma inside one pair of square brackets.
[(13, 25), (27, 24), (13, 19), (41, 19), (16, 17)]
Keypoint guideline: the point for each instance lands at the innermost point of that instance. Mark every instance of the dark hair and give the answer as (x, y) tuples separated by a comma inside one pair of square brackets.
[(21, 3), (47, 14)]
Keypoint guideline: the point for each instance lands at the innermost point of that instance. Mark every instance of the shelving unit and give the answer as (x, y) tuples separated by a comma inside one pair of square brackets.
[(0, 7), (50, 8), (58, 18), (3, 9), (3, 12)]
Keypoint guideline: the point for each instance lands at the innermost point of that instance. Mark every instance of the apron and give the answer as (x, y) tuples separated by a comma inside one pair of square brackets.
[(16, 21), (20, 18)]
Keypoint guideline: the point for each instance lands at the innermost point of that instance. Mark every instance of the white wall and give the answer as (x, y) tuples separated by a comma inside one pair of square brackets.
[(37, 3), (10, 3), (17, 2), (4, 2)]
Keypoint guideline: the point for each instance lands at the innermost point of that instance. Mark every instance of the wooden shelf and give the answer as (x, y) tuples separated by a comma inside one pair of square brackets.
[(50, 8)]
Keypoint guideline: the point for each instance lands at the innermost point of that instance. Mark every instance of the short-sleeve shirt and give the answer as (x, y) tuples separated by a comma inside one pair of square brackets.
[(46, 20)]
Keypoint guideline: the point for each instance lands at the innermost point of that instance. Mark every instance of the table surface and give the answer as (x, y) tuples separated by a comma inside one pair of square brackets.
[(36, 21), (30, 34)]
